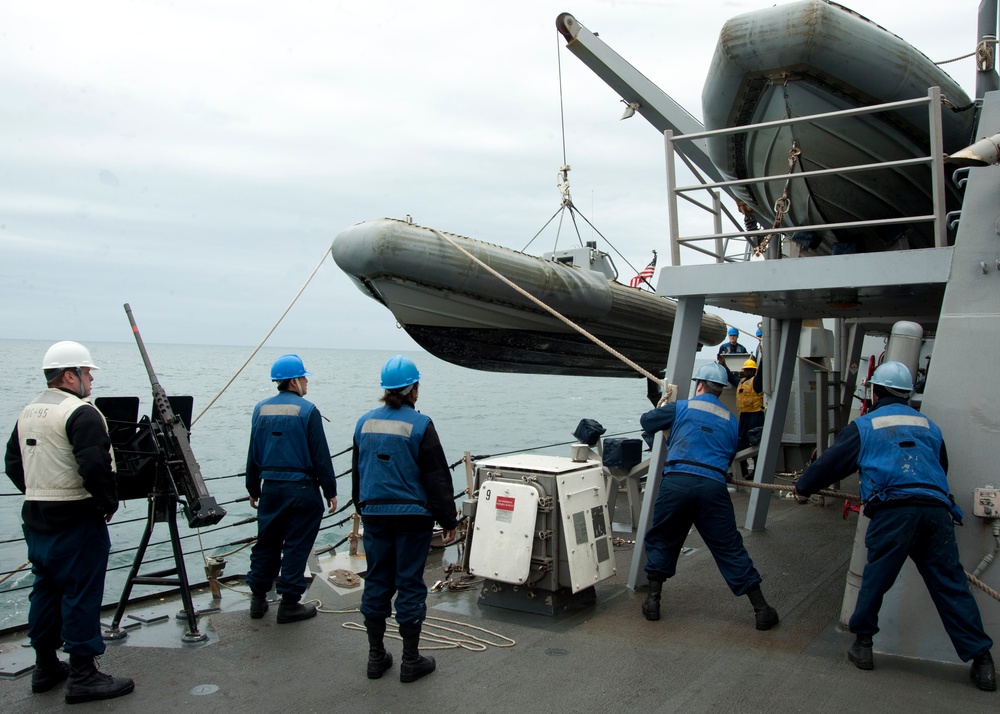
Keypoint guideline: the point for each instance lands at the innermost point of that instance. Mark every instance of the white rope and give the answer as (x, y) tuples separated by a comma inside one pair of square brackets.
[(462, 639), (983, 54), (269, 333), (597, 341)]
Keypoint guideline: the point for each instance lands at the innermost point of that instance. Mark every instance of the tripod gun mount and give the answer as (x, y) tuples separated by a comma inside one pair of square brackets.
[(157, 455)]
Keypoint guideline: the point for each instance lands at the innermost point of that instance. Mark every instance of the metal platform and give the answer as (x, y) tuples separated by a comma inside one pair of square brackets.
[(878, 288)]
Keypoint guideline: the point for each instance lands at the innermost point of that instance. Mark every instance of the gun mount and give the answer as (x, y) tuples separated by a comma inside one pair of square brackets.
[(155, 461), (163, 442)]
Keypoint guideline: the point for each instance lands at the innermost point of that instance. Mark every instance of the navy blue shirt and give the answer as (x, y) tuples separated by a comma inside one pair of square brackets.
[(841, 459), (435, 476), (317, 463)]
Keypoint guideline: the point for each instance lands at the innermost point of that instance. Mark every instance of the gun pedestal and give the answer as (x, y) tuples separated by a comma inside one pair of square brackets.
[(147, 470), (162, 509), (162, 445)]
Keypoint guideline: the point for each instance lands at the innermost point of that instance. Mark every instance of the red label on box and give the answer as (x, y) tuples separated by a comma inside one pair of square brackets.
[(505, 503)]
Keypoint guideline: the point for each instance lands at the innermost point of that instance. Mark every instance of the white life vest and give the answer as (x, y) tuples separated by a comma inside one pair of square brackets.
[(51, 472)]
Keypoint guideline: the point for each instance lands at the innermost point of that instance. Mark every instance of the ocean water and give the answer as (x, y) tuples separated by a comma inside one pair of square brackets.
[(481, 412)]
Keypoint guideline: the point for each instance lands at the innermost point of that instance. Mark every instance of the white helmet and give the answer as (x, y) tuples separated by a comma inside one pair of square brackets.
[(66, 355)]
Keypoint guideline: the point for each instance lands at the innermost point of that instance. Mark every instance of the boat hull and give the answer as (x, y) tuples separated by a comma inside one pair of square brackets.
[(814, 57), (460, 312)]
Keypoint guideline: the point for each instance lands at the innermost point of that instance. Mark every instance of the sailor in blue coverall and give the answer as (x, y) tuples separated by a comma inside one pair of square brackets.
[(902, 461), (288, 464), (731, 346), (401, 485), (693, 491)]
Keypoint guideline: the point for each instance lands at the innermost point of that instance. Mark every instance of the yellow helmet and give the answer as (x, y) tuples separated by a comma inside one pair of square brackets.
[(750, 364)]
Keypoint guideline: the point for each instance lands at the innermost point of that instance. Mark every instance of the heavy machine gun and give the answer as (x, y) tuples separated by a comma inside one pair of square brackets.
[(174, 445), (155, 461)]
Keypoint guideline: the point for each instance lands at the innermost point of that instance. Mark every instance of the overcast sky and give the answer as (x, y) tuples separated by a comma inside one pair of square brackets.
[(196, 158)]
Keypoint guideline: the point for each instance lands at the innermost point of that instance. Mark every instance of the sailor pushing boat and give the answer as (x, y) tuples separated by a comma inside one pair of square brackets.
[(902, 460), (693, 491)]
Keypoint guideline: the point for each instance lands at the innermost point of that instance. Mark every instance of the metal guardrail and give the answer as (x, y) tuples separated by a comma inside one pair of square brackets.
[(720, 239)]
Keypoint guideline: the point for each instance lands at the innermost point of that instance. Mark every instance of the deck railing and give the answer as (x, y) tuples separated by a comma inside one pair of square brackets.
[(719, 240)]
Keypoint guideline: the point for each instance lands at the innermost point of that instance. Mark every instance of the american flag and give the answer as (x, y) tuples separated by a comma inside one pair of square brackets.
[(645, 275)]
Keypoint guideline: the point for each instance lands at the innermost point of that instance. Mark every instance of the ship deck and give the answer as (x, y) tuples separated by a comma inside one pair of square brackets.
[(704, 655)]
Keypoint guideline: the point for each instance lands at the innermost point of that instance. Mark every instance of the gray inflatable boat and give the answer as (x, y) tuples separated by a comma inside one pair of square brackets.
[(812, 57), (463, 314)]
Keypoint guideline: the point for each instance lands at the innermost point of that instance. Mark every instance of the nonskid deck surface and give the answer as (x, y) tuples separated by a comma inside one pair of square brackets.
[(704, 655)]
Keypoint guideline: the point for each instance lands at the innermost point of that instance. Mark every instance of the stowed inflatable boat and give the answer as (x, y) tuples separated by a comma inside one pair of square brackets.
[(814, 57)]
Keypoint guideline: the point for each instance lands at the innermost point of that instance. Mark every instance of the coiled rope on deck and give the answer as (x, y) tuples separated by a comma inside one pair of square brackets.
[(460, 640)]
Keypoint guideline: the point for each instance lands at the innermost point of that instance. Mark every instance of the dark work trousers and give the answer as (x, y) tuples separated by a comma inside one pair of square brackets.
[(288, 517), (69, 568), (925, 534), (396, 559), (748, 421), (685, 500)]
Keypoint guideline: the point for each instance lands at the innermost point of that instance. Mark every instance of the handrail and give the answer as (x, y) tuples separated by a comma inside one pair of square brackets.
[(935, 158)]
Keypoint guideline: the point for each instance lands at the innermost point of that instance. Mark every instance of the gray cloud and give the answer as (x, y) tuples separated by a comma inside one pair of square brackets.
[(197, 158)]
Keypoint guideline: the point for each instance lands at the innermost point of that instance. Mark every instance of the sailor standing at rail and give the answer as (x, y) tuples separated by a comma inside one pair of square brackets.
[(401, 485), (59, 456), (289, 454), (900, 455), (693, 491), (731, 346)]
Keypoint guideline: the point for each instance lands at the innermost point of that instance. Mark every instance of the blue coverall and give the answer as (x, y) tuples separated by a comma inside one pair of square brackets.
[(693, 491), (902, 461), (401, 484), (287, 465)]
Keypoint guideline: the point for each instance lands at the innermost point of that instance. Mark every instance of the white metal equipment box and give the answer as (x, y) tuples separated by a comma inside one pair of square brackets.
[(546, 514), (505, 529)]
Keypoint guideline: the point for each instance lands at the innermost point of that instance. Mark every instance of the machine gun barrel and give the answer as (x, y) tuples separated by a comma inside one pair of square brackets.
[(200, 508)]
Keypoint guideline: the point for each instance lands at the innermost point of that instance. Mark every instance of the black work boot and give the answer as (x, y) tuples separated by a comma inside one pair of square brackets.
[(88, 684), (651, 606), (765, 616), (860, 652), (414, 665), (378, 659), (258, 605), (291, 610), (49, 671), (983, 672)]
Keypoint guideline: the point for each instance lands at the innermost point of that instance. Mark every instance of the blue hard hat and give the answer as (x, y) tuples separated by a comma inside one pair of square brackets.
[(288, 367), (399, 372), (732, 331), (759, 333), (714, 373), (894, 376)]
